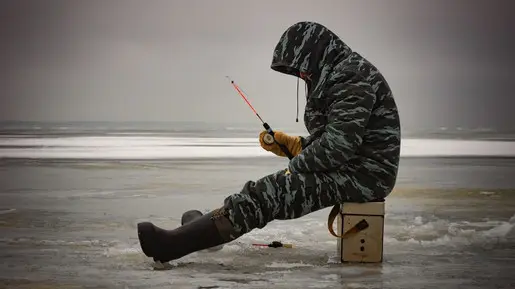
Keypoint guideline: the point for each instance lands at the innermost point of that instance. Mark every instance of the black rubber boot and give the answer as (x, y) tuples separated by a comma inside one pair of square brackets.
[(203, 232), (190, 216)]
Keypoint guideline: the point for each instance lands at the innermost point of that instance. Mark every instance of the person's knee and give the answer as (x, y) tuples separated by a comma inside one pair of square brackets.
[(257, 203), (266, 193)]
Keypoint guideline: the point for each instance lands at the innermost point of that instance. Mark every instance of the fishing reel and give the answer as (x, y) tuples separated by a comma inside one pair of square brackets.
[(268, 139)]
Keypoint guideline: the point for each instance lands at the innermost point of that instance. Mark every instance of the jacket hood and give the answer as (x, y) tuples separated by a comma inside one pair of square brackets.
[(311, 49)]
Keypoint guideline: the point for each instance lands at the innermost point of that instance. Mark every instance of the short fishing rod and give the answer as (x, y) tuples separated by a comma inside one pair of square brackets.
[(274, 244), (269, 137)]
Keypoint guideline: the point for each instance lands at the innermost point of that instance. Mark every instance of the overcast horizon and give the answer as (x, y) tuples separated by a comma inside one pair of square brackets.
[(450, 64)]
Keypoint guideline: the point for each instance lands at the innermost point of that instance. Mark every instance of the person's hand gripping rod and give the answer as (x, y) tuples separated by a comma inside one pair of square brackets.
[(269, 137)]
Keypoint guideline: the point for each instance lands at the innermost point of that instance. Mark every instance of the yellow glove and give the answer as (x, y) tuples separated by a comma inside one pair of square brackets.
[(291, 142)]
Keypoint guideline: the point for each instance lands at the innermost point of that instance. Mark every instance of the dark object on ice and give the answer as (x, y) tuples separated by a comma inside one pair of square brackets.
[(275, 244)]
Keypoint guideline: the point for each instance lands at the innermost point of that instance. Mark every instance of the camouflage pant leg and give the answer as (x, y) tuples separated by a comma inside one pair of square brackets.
[(279, 197)]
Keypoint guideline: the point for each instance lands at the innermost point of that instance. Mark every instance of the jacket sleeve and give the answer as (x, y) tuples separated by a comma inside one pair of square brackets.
[(306, 140), (351, 104)]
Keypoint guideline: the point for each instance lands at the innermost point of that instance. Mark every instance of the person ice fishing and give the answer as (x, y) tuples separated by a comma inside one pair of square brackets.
[(351, 154)]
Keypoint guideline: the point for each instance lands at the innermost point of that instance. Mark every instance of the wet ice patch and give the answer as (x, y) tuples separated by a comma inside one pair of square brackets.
[(89, 195), (306, 233), (333, 259), (287, 265), (6, 211), (357, 285), (487, 193), (437, 232), (162, 266), (147, 196), (118, 251), (104, 195), (43, 242), (500, 231)]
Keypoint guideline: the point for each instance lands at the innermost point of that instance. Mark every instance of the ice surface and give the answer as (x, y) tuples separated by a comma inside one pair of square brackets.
[(152, 147)]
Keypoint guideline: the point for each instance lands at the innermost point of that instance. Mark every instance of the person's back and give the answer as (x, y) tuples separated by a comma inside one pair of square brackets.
[(379, 151), (364, 136)]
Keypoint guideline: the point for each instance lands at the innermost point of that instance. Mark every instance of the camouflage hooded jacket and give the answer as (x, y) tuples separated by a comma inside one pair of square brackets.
[(350, 112)]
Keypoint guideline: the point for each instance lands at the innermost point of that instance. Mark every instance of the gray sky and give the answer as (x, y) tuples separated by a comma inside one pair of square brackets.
[(449, 63)]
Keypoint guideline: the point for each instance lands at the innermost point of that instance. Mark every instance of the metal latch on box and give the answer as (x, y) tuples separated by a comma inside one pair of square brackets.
[(360, 226)]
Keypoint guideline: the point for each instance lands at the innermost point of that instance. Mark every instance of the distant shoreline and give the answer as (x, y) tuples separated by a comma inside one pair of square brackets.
[(193, 134)]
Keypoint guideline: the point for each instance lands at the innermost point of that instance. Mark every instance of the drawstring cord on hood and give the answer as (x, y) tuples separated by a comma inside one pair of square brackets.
[(297, 119)]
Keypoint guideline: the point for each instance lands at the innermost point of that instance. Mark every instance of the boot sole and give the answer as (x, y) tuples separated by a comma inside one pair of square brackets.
[(146, 236)]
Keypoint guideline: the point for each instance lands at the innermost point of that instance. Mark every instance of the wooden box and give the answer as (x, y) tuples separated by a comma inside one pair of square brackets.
[(366, 245)]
